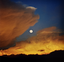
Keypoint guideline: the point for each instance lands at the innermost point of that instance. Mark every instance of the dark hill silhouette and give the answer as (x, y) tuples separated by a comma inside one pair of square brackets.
[(56, 55)]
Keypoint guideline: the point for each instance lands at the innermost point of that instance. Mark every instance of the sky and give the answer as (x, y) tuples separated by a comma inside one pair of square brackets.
[(17, 18), (50, 12)]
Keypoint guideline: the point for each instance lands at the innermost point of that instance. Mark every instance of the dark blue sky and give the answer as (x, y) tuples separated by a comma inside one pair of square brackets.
[(51, 13)]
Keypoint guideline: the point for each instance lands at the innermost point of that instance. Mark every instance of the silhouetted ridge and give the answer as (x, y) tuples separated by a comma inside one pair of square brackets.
[(55, 55)]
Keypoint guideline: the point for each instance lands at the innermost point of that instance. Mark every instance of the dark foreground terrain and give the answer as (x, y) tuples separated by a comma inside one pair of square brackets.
[(53, 57)]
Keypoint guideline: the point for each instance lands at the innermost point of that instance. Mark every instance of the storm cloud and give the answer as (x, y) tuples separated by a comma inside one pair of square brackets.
[(15, 19)]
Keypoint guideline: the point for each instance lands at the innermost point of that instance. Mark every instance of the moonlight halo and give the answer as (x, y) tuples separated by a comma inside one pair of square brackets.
[(31, 31)]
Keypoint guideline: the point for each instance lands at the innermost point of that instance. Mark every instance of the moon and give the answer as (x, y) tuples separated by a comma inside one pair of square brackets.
[(31, 31)]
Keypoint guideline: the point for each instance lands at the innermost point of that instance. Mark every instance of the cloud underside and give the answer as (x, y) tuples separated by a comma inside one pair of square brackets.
[(44, 42)]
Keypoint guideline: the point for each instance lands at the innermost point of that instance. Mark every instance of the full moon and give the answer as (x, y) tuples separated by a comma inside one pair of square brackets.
[(31, 31)]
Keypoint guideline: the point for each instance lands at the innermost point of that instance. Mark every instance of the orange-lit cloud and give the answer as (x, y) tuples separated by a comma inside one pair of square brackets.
[(14, 21), (46, 41)]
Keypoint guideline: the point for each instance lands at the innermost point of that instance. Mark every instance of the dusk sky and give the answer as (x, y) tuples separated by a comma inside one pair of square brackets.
[(43, 18), (51, 13)]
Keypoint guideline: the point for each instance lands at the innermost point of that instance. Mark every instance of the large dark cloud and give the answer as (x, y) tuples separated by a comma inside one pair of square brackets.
[(14, 21)]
